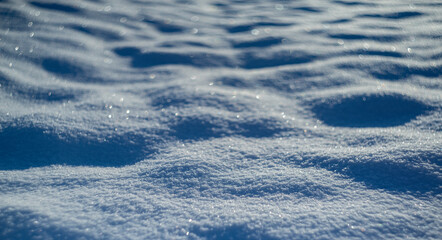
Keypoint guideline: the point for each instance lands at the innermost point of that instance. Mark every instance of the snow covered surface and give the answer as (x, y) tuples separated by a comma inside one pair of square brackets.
[(210, 119)]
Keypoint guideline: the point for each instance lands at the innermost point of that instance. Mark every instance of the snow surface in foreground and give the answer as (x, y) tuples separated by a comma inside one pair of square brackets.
[(220, 120)]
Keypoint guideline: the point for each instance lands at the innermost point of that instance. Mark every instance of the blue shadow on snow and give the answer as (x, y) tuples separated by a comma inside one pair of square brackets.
[(23, 148), (152, 59), (196, 128), (370, 111), (25, 225), (56, 6), (37, 94)]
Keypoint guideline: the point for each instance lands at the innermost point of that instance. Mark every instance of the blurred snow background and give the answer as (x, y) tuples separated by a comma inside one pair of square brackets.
[(198, 119)]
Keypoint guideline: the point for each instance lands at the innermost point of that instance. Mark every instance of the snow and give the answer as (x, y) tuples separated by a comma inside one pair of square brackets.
[(205, 119)]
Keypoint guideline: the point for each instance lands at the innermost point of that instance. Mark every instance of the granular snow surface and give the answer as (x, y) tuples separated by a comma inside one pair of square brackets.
[(210, 119)]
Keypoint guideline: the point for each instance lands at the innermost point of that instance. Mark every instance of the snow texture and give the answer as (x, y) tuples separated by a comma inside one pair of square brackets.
[(210, 119)]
